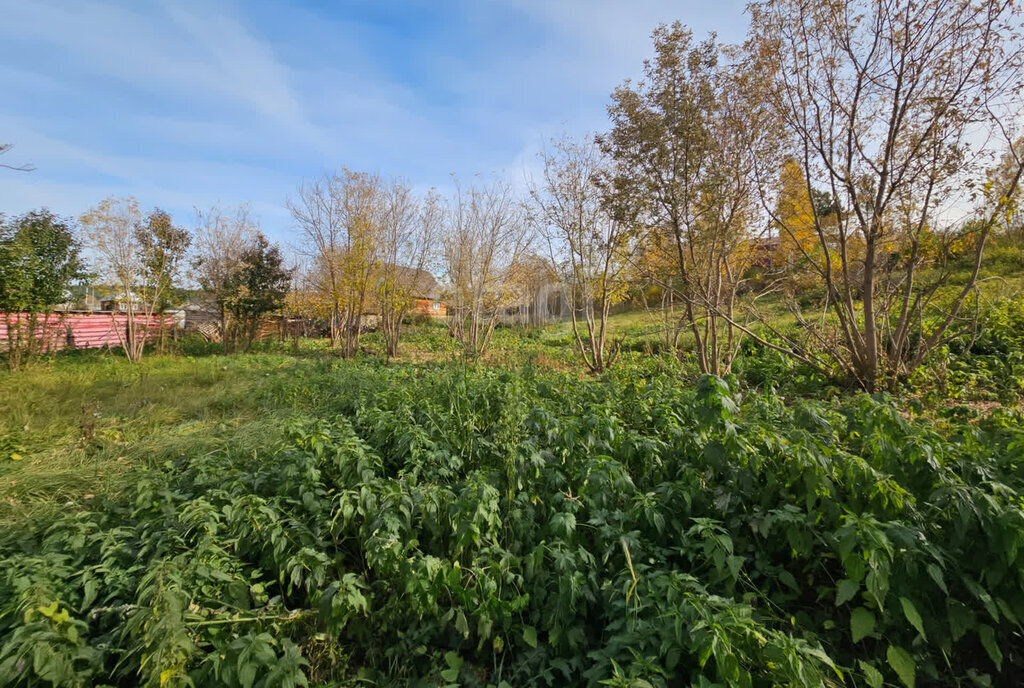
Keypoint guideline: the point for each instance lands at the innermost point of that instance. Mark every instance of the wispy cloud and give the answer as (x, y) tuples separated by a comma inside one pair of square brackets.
[(182, 102), (238, 64)]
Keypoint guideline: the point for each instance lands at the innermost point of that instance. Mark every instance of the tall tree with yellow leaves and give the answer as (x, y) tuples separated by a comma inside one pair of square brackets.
[(794, 227), (341, 219), (683, 143)]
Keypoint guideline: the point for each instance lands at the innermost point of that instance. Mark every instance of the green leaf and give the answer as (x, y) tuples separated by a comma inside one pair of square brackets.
[(872, 676), (247, 674), (902, 663), (984, 597), (89, 592), (936, 573), (988, 640), (960, 619), (845, 591), (454, 662), (483, 627), (878, 585), (461, 625), (735, 563), (787, 579), (862, 623), (530, 636), (910, 611)]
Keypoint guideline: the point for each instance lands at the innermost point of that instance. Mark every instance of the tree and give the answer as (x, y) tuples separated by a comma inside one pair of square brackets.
[(590, 248), (6, 147), (39, 261), (681, 142), (140, 265), (163, 247), (891, 107), (221, 237), (485, 234), (409, 230), (303, 308), (256, 286), (341, 217), (318, 210), (999, 180), (795, 226), (531, 282)]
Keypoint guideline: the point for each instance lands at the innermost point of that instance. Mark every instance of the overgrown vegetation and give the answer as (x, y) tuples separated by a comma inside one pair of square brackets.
[(39, 261), (445, 524), (805, 468)]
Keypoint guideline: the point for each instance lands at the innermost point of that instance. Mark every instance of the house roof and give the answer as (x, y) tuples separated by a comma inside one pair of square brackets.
[(421, 283)]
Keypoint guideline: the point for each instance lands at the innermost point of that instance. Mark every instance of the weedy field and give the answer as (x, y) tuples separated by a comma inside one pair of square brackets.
[(287, 519), (725, 393)]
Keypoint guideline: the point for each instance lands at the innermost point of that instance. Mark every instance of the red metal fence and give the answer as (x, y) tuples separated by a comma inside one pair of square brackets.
[(80, 330)]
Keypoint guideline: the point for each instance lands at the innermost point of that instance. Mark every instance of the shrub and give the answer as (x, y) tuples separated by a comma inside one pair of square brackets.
[(471, 526)]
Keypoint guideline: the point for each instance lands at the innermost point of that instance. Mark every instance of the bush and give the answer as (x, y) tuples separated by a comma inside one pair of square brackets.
[(991, 368), (470, 526), (195, 344)]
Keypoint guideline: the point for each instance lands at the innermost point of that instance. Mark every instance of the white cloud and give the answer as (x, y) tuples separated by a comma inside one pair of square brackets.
[(203, 56), (184, 103), (241, 65)]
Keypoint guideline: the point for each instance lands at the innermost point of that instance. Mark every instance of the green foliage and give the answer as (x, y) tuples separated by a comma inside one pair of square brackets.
[(162, 246), (988, 368), (256, 286), (39, 261), (451, 525)]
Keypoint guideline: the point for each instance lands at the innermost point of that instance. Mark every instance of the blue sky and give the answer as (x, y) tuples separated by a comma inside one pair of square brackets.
[(185, 104)]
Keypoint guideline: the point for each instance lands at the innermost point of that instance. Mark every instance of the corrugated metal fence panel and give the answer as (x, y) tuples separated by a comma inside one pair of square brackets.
[(84, 330)]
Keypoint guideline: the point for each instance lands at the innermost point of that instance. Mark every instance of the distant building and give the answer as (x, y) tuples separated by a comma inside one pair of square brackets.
[(424, 290), (123, 302), (198, 317)]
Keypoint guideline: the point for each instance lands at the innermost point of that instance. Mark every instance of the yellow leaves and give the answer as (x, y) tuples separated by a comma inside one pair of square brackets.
[(52, 611), (794, 216)]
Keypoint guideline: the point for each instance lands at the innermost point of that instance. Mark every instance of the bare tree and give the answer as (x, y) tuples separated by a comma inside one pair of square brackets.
[(409, 231), (140, 259), (222, 236), (589, 247), (318, 210), (4, 148), (485, 235), (341, 218), (892, 108)]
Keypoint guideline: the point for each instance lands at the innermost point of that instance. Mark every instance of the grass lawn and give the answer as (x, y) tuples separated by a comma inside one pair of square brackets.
[(73, 426)]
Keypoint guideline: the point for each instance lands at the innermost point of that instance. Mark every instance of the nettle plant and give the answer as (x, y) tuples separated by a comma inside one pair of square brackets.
[(468, 526)]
